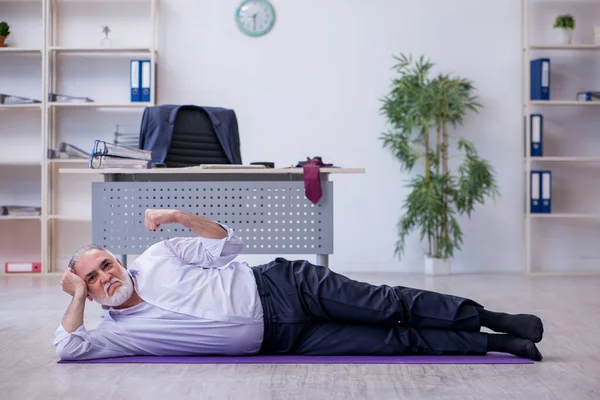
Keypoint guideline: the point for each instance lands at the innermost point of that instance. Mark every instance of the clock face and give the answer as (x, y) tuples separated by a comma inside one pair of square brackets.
[(255, 17)]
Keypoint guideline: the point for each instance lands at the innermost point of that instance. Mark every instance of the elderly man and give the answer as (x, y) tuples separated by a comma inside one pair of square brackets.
[(189, 296)]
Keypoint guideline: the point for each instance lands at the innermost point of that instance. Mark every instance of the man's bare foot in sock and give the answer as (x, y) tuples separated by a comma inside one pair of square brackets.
[(524, 326), (513, 345)]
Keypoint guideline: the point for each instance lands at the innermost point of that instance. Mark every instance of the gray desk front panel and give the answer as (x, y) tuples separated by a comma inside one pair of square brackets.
[(270, 217)]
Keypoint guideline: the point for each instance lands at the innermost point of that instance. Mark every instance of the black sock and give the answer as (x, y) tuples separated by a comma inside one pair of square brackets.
[(524, 326), (509, 344)]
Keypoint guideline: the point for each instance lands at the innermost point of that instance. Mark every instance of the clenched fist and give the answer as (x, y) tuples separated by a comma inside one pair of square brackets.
[(73, 284), (154, 218)]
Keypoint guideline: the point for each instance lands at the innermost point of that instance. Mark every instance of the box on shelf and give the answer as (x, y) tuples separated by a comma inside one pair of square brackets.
[(588, 96)]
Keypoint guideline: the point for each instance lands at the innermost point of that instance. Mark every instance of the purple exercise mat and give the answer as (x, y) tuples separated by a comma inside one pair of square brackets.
[(490, 358)]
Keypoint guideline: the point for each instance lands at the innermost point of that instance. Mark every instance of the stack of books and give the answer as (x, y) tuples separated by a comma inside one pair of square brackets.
[(127, 136), (67, 151), (63, 98), (20, 211), (10, 99), (110, 155)]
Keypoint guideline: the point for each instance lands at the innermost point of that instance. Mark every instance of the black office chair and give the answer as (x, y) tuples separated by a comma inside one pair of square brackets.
[(187, 135), (194, 141)]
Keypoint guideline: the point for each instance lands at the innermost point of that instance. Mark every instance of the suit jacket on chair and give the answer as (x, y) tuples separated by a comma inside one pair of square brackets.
[(158, 123)]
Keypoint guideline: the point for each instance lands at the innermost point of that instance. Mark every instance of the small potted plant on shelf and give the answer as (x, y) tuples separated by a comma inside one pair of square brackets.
[(4, 32), (564, 25)]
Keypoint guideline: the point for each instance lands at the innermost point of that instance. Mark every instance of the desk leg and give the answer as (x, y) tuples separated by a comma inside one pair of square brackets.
[(123, 258), (116, 178), (323, 260)]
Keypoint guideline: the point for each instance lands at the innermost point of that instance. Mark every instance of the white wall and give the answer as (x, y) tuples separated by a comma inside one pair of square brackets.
[(313, 87)]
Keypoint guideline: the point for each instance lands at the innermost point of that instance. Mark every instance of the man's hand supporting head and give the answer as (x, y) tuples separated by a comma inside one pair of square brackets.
[(76, 287)]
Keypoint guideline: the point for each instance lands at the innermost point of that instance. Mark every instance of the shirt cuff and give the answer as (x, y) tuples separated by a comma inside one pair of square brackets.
[(61, 333)]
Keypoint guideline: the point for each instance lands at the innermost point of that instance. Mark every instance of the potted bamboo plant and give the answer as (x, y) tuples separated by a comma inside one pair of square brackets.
[(564, 25), (4, 32), (420, 110)]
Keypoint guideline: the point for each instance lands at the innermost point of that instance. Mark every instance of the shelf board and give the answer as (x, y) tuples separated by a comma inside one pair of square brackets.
[(69, 218), (18, 217), (100, 50), (34, 105), (21, 163), (565, 215), (564, 47), (563, 103), (565, 159), (101, 105), (69, 161), (20, 50)]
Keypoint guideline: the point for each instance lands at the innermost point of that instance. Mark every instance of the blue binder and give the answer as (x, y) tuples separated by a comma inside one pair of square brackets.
[(546, 195), (145, 79), (134, 80), (536, 130), (535, 187), (540, 79)]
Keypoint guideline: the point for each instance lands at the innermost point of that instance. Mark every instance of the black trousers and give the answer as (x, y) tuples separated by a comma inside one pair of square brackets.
[(309, 309)]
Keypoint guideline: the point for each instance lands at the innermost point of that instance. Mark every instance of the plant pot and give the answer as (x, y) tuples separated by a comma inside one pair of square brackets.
[(437, 266), (2, 39), (564, 36)]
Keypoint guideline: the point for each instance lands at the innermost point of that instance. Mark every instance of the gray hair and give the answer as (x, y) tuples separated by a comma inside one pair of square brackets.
[(84, 249)]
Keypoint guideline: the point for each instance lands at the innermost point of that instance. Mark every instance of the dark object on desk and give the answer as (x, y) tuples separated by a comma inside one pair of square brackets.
[(317, 160), (267, 164), (185, 136)]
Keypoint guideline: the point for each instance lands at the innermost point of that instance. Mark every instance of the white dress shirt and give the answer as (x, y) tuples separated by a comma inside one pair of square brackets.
[(197, 300)]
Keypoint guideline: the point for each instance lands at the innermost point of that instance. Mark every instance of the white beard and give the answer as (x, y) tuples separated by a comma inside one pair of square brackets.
[(121, 294)]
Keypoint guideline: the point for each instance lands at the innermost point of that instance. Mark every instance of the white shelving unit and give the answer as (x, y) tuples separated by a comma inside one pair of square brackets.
[(570, 111), (71, 62), (21, 155), (70, 57)]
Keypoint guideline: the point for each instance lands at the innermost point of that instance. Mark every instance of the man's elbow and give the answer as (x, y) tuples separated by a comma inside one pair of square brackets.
[(69, 352), (65, 355)]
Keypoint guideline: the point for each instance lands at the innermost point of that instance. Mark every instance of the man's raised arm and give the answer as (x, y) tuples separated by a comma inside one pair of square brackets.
[(199, 225), (214, 246)]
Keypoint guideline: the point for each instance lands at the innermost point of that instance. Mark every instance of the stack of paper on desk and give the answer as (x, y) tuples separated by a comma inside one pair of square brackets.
[(109, 155)]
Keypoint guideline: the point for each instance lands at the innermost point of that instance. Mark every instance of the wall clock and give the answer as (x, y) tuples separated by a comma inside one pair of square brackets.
[(255, 17)]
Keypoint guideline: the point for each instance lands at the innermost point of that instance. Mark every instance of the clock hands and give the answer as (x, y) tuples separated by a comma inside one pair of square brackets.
[(254, 21)]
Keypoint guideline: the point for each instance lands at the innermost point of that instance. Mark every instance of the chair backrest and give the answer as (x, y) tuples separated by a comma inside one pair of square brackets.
[(194, 141)]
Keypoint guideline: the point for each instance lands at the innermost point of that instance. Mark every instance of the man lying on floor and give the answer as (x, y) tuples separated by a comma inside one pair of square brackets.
[(187, 296)]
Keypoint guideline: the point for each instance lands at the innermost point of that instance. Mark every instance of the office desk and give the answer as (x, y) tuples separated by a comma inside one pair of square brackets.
[(267, 208)]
